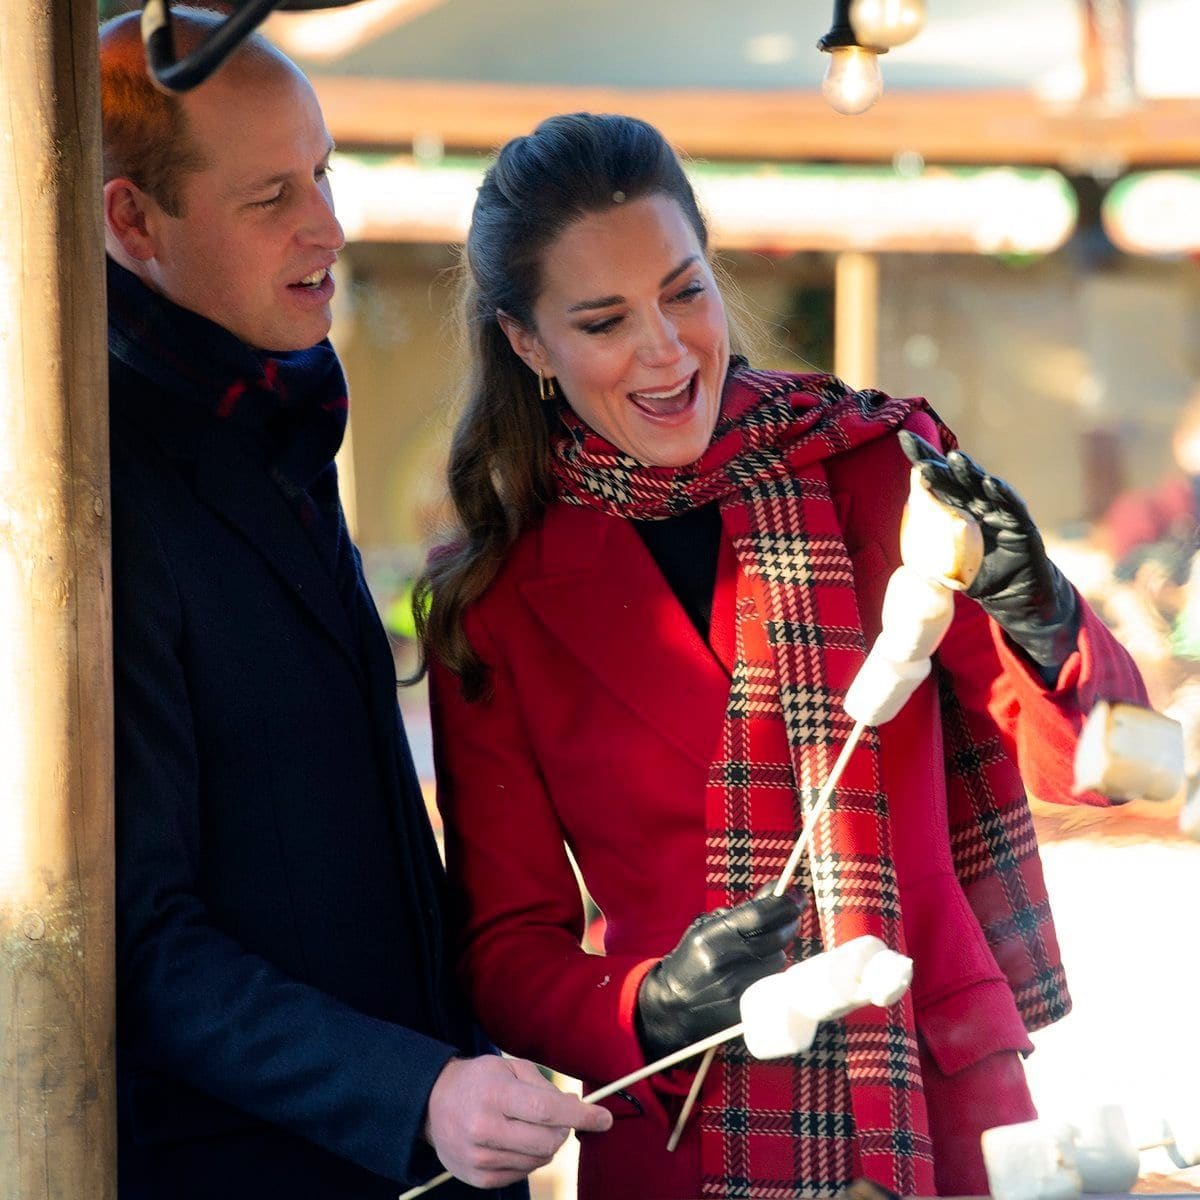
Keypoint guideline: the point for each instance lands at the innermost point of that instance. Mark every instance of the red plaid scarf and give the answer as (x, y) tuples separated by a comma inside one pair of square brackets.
[(791, 1127)]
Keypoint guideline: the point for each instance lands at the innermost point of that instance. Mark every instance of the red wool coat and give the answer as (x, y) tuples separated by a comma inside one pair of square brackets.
[(605, 713)]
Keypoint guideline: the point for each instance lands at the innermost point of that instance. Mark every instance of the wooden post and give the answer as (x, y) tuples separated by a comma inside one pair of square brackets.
[(57, 1118), (856, 319)]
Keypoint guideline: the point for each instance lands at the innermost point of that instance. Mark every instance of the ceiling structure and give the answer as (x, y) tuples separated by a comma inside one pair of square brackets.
[(984, 82)]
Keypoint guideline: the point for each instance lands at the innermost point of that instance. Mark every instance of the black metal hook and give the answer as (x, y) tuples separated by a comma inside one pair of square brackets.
[(182, 75)]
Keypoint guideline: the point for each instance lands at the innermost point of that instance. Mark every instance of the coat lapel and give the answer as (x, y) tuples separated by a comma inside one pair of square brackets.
[(231, 481), (605, 600)]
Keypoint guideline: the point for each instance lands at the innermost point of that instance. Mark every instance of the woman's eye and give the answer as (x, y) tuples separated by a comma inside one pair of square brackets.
[(691, 291), (602, 326)]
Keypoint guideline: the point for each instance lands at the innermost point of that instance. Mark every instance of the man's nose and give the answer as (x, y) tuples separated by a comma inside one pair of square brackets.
[(321, 226), (660, 344)]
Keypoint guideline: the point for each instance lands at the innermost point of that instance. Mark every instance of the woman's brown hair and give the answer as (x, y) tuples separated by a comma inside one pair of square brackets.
[(499, 470)]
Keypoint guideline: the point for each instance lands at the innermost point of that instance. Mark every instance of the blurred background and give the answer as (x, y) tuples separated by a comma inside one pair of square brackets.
[(1012, 230)]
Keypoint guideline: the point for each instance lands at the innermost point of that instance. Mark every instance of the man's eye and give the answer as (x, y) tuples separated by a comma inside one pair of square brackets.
[(269, 203)]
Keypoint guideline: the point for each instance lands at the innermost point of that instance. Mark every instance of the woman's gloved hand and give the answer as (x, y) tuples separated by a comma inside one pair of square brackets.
[(694, 991), (1017, 585)]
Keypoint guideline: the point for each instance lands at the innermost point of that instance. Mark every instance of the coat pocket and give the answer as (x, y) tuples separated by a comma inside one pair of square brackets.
[(966, 1026)]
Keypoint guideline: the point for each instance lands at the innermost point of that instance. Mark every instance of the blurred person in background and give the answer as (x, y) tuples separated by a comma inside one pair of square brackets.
[(1160, 523), (287, 1025), (667, 570)]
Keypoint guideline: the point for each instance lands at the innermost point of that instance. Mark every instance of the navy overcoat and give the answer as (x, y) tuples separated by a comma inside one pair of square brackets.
[(283, 1001)]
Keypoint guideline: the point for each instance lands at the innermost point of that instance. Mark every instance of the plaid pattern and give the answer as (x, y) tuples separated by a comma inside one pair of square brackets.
[(790, 1128), (996, 859)]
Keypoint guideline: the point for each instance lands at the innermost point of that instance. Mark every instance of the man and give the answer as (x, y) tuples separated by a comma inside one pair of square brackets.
[(287, 1025)]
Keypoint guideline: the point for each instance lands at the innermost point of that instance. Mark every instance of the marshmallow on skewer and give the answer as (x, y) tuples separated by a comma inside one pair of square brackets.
[(1127, 752), (1033, 1160), (939, 542), (1105, 1156), (1183, 1140), (780, 1013), (916, 614), (772, 1027), (859, 972), (882, 687)]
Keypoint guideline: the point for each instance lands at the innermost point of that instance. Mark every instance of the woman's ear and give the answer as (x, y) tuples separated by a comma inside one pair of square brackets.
[(525, 343)]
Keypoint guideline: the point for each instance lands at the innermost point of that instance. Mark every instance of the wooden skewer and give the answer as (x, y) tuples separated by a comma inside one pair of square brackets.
[(781, 886), (1162, 1142), (662, 1064)]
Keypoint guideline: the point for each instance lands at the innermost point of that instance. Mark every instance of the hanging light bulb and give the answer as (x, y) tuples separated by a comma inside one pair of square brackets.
[(852, 81), (886, 23)]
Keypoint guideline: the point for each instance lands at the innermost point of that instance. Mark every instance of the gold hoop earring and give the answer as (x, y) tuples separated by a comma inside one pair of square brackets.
[(546, 388)]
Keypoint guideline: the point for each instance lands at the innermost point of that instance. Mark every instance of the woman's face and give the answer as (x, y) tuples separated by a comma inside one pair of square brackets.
[(632, 327)]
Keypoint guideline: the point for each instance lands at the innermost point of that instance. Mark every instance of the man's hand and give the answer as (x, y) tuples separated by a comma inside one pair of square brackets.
[(1018, 586), (492, 1120), (694, 991)]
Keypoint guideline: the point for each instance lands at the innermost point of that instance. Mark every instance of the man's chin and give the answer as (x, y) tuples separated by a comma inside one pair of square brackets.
[(302, 335)]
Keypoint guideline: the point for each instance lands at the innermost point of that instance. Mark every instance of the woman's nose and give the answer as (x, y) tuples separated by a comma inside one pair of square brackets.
[(660, 345)]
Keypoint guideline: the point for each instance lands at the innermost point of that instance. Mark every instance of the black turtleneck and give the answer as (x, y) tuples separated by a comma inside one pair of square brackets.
[(685, 549)]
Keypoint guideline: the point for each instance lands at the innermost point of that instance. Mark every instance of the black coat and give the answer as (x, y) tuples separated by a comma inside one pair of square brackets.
[(283, 999)]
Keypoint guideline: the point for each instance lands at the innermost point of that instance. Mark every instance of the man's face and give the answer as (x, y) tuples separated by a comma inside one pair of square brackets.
[(257, 239)]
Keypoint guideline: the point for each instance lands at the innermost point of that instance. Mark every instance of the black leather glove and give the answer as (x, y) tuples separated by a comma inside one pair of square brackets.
[(1018, 586), (694, 991)]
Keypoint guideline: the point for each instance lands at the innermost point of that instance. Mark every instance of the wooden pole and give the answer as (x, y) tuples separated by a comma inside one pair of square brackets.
[(856, 318), (57, 1119)]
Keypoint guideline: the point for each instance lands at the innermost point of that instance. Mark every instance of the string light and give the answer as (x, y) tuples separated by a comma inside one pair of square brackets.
[(852, 80), (886, 23)]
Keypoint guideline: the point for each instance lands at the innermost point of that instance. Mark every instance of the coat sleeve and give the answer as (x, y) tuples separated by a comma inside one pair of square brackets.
[(1039, 723), (518, 904), (194, 1004)]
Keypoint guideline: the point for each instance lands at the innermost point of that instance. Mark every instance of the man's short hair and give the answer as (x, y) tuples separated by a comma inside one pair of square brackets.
[(147, 137)]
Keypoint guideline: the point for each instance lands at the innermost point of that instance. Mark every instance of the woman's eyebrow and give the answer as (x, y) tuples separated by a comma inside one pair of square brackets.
[(609, 301)]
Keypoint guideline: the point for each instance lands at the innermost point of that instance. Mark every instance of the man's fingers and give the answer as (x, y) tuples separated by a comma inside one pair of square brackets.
[(543, 1105), (527, 1072)]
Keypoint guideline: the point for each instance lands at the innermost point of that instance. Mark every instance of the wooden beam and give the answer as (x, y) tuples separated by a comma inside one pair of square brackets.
[(949, 127), (57, 1109)]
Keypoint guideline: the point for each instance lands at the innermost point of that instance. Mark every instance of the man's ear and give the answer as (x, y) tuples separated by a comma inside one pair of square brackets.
[(129, 216), (525, 343)]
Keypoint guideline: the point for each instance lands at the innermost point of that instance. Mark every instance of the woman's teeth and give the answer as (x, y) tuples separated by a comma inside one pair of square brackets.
[(313, 280), (665, 402)]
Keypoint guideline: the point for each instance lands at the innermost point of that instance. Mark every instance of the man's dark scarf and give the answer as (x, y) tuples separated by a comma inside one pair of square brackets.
[(294, 401)]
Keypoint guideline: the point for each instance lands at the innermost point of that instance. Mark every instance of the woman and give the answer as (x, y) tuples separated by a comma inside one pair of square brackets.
[(668, 570)]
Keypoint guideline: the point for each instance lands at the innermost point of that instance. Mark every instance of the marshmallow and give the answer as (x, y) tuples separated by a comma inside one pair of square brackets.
[(772, 1027), (859, 972), (1030, 1161), (940, 543), (1105, 1156), (916, 615), (885, 978), (882, 687), (1184, 1132), (1127, 752)]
